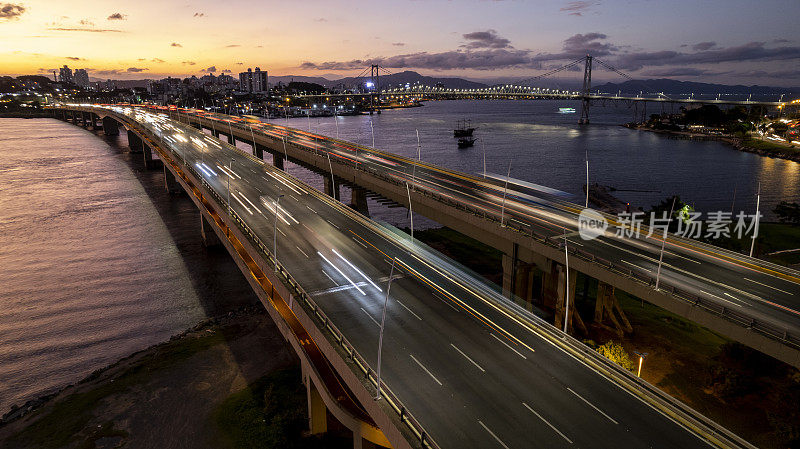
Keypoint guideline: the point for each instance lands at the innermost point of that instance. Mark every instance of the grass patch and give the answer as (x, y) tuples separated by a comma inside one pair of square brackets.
[(777, 237), (270, 413), (65, 423), (770, 147)]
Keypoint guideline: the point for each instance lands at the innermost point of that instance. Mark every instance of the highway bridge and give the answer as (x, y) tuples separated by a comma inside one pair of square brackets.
[(746, 299), (462, 366)]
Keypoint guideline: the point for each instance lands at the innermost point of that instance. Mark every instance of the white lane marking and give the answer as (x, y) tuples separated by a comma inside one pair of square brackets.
[(370, 317), (309, 208), (362, 244), (547, 422), (591, 405), (303, 252), (508, 346), (294, 198), (340, 272), (357, 270), (768, 286), (279, 230), (682, 257), (329, 277), (720, 298), (492, 434), (634, 265), (409, 310), (468, 358), (331, 223), (426, 369)]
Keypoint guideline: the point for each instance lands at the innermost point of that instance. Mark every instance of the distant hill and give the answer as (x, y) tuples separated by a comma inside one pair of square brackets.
[(669, 86), (395, 79)]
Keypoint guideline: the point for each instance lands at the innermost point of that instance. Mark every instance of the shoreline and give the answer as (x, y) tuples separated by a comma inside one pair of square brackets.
[(744, 145), (17, 412)]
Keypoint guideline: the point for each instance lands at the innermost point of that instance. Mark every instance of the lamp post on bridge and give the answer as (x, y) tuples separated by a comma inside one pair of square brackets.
[(275, 231), (383, 323)]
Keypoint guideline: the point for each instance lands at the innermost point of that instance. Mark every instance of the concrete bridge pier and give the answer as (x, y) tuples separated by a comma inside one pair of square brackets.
[(277, 160), (558, 277), (85, 120), (134, 142), (210, 238), (607, 307), (258, 151), (331, 187), (170, 183), (110, 126), (358, 201), (147, 152)]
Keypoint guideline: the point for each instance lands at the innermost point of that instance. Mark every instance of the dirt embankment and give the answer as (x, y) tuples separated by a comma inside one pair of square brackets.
[(164, 396)]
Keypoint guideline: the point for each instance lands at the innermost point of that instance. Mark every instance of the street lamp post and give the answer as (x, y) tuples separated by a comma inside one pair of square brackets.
[(410, 212), (333, 181), (505, 191), (642, 356), (755, 227), (566, 287), (587, 179), (383, 323), (275, 232), (664, 242), (372, 129)]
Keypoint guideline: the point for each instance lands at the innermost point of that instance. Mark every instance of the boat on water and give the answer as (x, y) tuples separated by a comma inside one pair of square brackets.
[(465, 142), (463, 129), (566, 110)]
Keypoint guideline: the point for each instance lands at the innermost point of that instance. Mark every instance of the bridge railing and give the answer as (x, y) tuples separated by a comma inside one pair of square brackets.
[(306, 300)]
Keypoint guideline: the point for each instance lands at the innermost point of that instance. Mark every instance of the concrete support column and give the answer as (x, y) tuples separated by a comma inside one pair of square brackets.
[(277, 160), (210, 237), (231, 140), (317, 412), (358, 201), (96, 122), (110, 126), (331, 187), (170, 183), (148, 156), (607, 307), (86, 118), (574, 320), (258, 151), (134, 142)]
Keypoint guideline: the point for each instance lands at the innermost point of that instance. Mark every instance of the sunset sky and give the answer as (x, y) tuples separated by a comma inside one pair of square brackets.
[(727, 41)]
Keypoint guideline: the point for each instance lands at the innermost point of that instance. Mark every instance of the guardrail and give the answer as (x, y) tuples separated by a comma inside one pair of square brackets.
[(764, 328), (298, 292)]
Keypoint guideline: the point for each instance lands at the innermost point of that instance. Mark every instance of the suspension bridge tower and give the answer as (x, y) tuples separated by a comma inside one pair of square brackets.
[(375, 95), (587, 87)]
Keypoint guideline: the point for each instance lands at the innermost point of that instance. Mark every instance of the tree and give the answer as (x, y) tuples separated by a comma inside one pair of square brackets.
[(616, 353)]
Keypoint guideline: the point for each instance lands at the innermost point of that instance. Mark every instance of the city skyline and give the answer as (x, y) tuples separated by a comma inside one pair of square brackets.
[(479, 40)]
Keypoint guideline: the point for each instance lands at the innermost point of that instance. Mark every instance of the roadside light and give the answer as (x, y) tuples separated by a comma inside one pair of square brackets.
[(642, 356)]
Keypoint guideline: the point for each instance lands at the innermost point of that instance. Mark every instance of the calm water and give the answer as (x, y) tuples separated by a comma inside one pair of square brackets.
[(549, 148), (96, 261)]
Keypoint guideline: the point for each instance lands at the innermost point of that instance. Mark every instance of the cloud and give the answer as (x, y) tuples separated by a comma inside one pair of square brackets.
[(751, 51), (188, 63), (74, 58), (679, 71), (577, 8), (399, 44), (117, 16), (232, 46), (175, 44), (104, 72), (485, 39), (578, 46), (88, 30), (11, 11), (448, 60), (198, 14), (211, 69), (780, 41), (136, 69), (86, 22), (321, 19), (703, 46), (157, 60)]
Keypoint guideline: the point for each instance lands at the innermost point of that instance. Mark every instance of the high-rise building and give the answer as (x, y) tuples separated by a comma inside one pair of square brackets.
[(81, 78), (254, 81), (65, 74)]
